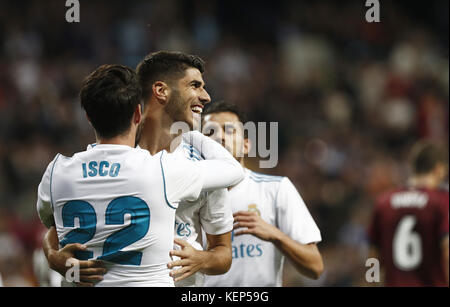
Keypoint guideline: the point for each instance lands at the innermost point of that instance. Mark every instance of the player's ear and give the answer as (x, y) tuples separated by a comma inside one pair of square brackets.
[(161, 91), (89, 120), (137, 116), (247, 146)]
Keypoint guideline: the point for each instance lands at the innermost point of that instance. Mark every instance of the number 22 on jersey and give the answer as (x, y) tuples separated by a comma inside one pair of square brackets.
[(114, 215)]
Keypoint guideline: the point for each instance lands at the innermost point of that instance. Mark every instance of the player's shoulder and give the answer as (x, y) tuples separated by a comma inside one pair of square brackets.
[(433, 194), (383, 199), (57, 167), (146, 154), (175, 166), (190, 152), (268, 184), (438, 196), (113, 153), (265, 178), (401, 194), (51, 166), (439, 192), (94, 149), (58, 159), (61, 163)]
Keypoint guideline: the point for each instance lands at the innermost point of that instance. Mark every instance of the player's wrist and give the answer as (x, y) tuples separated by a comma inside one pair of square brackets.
[(213, 263), (55, 262), (277, 236), (203, 258)]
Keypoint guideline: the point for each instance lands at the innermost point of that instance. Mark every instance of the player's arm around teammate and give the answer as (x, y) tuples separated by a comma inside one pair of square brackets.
[(216, 259), (91, 271)]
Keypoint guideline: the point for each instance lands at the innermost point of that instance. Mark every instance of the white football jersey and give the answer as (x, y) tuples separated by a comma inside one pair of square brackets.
[(120, 202), (210, 212), (258, 263)]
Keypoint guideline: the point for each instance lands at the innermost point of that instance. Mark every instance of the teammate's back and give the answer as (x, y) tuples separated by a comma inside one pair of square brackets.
[(117, 194), (409, 227)]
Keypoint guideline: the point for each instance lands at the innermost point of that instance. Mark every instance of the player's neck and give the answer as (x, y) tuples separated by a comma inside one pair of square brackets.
[(425, 181), (156, 134), (127, 139)]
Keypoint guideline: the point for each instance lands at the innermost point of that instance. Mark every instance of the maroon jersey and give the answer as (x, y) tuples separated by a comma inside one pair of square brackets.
[(408, 226)]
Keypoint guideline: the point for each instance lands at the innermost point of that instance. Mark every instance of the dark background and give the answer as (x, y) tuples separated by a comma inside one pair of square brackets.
[(350, 97)]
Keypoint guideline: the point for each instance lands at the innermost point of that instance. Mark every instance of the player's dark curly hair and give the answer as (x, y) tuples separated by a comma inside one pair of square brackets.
[(165, 66), (109, 95)]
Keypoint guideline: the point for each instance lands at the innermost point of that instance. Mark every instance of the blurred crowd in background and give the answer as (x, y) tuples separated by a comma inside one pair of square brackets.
[(350, 98)]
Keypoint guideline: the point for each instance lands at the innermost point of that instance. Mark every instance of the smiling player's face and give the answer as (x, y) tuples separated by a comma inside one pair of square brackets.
[(188, 97)]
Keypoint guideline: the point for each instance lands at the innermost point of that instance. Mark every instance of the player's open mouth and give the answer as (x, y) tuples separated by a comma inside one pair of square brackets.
[(197, 109)]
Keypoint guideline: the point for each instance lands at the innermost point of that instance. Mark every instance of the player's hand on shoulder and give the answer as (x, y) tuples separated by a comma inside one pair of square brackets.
[(247, 222)]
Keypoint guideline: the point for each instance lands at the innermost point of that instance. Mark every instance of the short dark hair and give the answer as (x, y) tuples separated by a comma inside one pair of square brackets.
[(425, 156), (109, 95), (165, 66), (223, 106)]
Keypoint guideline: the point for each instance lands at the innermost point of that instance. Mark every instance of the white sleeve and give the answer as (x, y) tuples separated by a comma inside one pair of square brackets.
[(44, 205), (220, 167), (216, 215), (293, 217), (183, 179)]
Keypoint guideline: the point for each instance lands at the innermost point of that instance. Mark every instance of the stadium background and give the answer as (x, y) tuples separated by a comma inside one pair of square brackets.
[(350, 98)]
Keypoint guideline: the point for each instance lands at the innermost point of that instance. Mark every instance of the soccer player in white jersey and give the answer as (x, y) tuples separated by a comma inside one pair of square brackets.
[(173, 89), (271, 219), (118, 200)]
